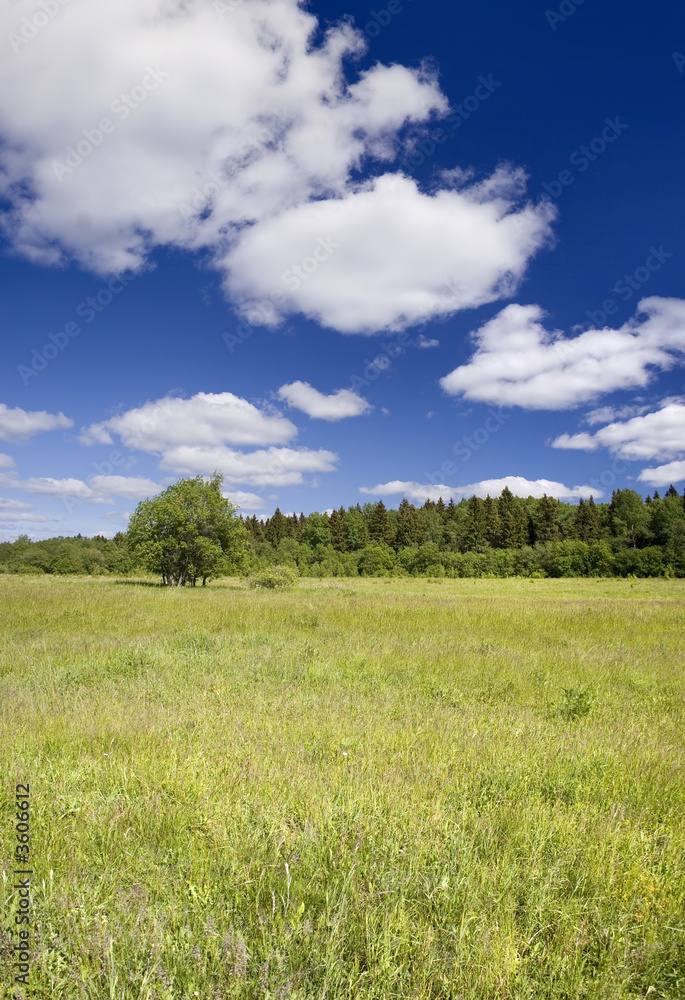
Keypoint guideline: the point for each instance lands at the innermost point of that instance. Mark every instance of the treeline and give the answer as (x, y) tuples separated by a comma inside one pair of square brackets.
[(98, 556), (497, 536)]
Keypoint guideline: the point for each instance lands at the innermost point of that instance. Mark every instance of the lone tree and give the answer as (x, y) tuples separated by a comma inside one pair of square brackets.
[(188, 532)]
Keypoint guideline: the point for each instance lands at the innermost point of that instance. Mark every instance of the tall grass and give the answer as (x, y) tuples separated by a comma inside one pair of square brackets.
[(370, 789)]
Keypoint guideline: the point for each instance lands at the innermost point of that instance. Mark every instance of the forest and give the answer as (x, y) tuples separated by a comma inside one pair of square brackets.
[(501, 536)]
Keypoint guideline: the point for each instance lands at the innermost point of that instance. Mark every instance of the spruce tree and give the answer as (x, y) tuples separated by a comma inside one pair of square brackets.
[(545, 520), (407, 525), (587, 522), (513, 521), (474, 535), (430, 523), (380, 529), (493, 524), (336, 526), (276, 528)]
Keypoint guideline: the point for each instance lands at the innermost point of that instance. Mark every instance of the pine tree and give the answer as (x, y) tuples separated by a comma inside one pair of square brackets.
[(513, 520), (256, 528), (276, 528), (493, 524), (587, 522), (545, 521), (430, 524), (671, 492), (336, 526), (407, 525), (380, 529), (474, 536)]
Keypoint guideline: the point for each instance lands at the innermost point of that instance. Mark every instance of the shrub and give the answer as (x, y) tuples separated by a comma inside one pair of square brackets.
[(275, 578), (376, 559), (575, 703)]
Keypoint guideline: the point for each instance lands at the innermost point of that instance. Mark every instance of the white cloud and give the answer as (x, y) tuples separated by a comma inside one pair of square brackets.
[(206, 419), (340, 404), (243, 137), (264, 467), (246, 501), (6, 504), (193, 438), (664, 475), (11, 517), (660, 434), (427, 342), (6, 462), (128, 487), (520, 363), (393, 255), (19, 426), (519, 486), (606, 414), (581, 442), (98, 489), (74, 488)]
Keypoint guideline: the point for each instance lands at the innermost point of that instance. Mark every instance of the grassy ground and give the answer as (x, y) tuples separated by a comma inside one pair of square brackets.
[(370, 789)]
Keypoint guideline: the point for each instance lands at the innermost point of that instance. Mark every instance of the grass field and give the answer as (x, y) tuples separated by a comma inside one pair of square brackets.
[(361, 788)]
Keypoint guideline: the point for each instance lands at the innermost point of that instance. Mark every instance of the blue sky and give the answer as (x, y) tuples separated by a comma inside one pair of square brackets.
[(339, 252)]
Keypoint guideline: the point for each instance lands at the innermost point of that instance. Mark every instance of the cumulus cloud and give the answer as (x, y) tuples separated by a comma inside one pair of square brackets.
[(228, 129), (427, 342), (391, 255), (13, 511), (12, 517), (6, 504), (660, 434), (193, 437), (664, 475), (206, 419), (581, 442), (19, 426), (98, 489), (246, 501), (6, 462), (606, 414), (341, 403), (518, 362), (261, 468), (519, 486)]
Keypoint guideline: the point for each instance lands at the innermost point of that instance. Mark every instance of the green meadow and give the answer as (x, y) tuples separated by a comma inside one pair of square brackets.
[(359, 788)]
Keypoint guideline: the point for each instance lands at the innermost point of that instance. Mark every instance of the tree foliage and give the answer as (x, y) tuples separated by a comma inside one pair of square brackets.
[(178, 535), (188, 532)]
